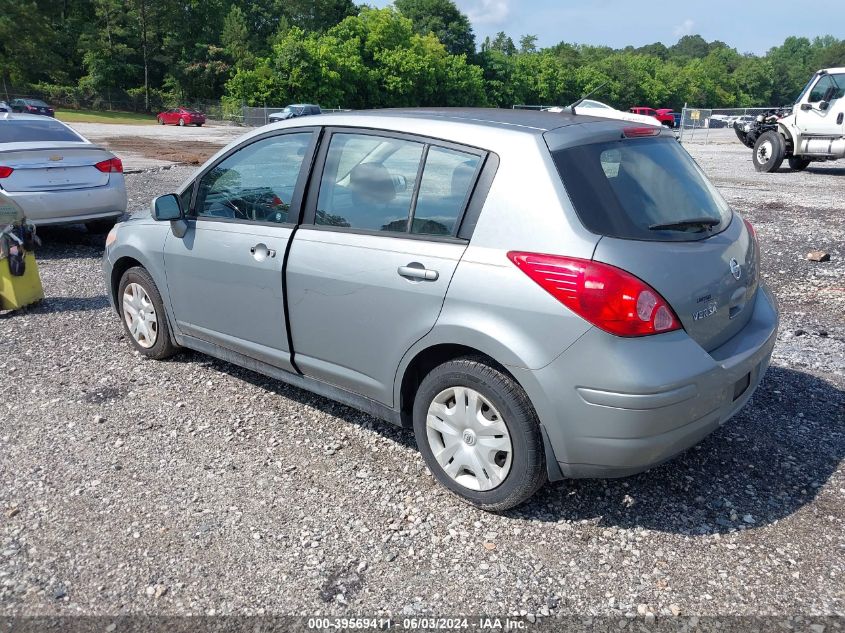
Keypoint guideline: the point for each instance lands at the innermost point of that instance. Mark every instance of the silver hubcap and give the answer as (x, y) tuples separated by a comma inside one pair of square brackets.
[(140, 315), (764, 152), (469, 439)]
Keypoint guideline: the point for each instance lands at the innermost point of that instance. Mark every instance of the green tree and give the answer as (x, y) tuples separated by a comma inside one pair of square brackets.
[(444, 19), (235, 37)]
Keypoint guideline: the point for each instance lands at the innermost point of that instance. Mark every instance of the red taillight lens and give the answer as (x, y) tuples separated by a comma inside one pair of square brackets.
[(112, 165), (30, 108), (5, 172), (751, 230), (606, 296), (636, 132)]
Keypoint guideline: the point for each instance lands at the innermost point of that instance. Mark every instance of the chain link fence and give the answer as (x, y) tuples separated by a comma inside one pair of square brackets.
[(714, 125)]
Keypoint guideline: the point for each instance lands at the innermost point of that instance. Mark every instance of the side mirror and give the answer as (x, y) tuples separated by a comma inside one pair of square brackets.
[(823, 105), (167, 207), (806, 106)]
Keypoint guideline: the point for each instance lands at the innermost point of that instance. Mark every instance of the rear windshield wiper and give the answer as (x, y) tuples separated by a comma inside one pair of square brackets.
[(701, 223)]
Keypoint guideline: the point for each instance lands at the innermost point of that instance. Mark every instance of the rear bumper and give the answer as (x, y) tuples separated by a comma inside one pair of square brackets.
[(613, 407), (73, 205)]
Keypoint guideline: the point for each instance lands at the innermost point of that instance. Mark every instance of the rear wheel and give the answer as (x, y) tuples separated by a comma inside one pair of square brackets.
[(479, 435), (160, 121), (798, 164), (768, 152), (142, 312), (198, 124)]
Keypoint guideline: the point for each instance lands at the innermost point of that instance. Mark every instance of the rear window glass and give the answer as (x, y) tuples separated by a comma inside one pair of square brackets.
[(633, 188), (31, 131)]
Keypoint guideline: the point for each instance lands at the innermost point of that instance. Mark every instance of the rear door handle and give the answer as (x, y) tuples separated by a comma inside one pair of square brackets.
[(416, 271)]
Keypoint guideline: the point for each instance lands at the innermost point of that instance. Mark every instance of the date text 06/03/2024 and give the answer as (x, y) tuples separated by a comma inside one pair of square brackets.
[(422, 623)]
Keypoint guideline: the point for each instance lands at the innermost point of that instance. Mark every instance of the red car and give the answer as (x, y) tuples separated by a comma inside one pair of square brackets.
[(181, 116), (664, 115)]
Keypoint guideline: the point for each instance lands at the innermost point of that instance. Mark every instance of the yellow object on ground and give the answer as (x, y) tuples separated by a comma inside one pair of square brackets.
[(16, 292)]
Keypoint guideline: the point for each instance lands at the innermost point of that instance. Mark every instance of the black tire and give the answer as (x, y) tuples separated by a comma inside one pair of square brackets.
[(768, 152), (163, 347), (798, 164), (527, 472), (160, 120), (198, 124), (99, 227)]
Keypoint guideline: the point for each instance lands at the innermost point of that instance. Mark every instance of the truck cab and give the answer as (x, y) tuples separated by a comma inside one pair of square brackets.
[(813, 131)]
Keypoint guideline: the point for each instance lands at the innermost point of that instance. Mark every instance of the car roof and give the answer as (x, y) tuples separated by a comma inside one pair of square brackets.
[(526, 121)]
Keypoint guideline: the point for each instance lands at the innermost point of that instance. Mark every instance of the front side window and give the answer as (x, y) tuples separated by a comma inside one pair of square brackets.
[(826, 83), (256, 183), (368, 182)]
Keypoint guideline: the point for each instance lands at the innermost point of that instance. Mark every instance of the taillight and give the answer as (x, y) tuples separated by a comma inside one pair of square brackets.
[(751, 230), (636, 132), (606, 296), (5, 172), (30, 108), (112, 165)]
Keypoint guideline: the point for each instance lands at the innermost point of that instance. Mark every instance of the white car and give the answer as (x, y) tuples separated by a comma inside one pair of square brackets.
[(57, 176), (597, 108)]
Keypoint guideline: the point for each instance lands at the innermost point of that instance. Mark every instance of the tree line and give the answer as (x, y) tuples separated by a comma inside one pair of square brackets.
[(337, 53)]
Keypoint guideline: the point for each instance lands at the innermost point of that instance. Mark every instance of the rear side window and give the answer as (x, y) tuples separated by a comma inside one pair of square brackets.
[(30, 131), (631, 188), (379, 183)]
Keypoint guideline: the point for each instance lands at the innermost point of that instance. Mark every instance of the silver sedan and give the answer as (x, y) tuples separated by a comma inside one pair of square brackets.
[(57, 176)]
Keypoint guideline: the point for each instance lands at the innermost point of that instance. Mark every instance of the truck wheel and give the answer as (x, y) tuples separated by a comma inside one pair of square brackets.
[(768, 151), (478, 434), (798, 164)]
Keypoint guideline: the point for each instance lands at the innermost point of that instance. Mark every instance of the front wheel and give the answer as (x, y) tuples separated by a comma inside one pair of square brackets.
[(478, 434), (142, 311), (768, 151), (160, 121), (181, 122), (798, 164)]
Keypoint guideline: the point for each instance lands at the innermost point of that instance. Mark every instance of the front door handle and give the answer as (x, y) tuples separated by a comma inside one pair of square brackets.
[(260, 252), (415, 270)]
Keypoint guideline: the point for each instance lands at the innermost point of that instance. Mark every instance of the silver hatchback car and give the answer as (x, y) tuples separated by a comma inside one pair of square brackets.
[(537, 295)]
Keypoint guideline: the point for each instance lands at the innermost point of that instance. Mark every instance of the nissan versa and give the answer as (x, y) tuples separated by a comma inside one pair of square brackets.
[(538, 295)]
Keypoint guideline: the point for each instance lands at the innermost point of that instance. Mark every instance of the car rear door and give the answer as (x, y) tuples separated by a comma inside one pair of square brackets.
[(224, 276), (369, 267)]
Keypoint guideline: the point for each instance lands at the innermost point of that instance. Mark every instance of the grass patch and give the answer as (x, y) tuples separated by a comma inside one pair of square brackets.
[(97, 116)]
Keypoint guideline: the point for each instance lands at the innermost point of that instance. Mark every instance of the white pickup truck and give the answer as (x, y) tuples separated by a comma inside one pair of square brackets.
[(813, 130)]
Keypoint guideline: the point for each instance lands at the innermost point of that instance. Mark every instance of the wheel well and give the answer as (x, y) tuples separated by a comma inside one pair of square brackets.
[(423, 363), (121, 266)]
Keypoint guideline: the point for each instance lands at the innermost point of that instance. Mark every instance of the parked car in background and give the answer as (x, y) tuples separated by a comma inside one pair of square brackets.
[(57, 176), (664, 115), (4, 107), (295, 110), (32, 106), (537, 295), (181, 117), (599, 109)]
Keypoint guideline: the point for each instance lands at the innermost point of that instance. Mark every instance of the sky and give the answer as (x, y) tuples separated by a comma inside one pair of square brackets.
[(753, 26)]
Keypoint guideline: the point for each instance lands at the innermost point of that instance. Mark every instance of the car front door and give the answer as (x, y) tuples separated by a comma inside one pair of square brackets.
[(224, 276), (370, 265), (821, 110)]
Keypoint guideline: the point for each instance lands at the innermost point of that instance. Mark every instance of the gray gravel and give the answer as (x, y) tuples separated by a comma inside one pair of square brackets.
[(195, 487)]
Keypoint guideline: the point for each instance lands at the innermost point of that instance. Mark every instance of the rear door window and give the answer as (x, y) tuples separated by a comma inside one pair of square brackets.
[(32, 131), (444, 190), (630, 188)]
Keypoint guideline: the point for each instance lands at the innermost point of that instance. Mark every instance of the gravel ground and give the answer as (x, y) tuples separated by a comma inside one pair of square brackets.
[(195, 487)]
